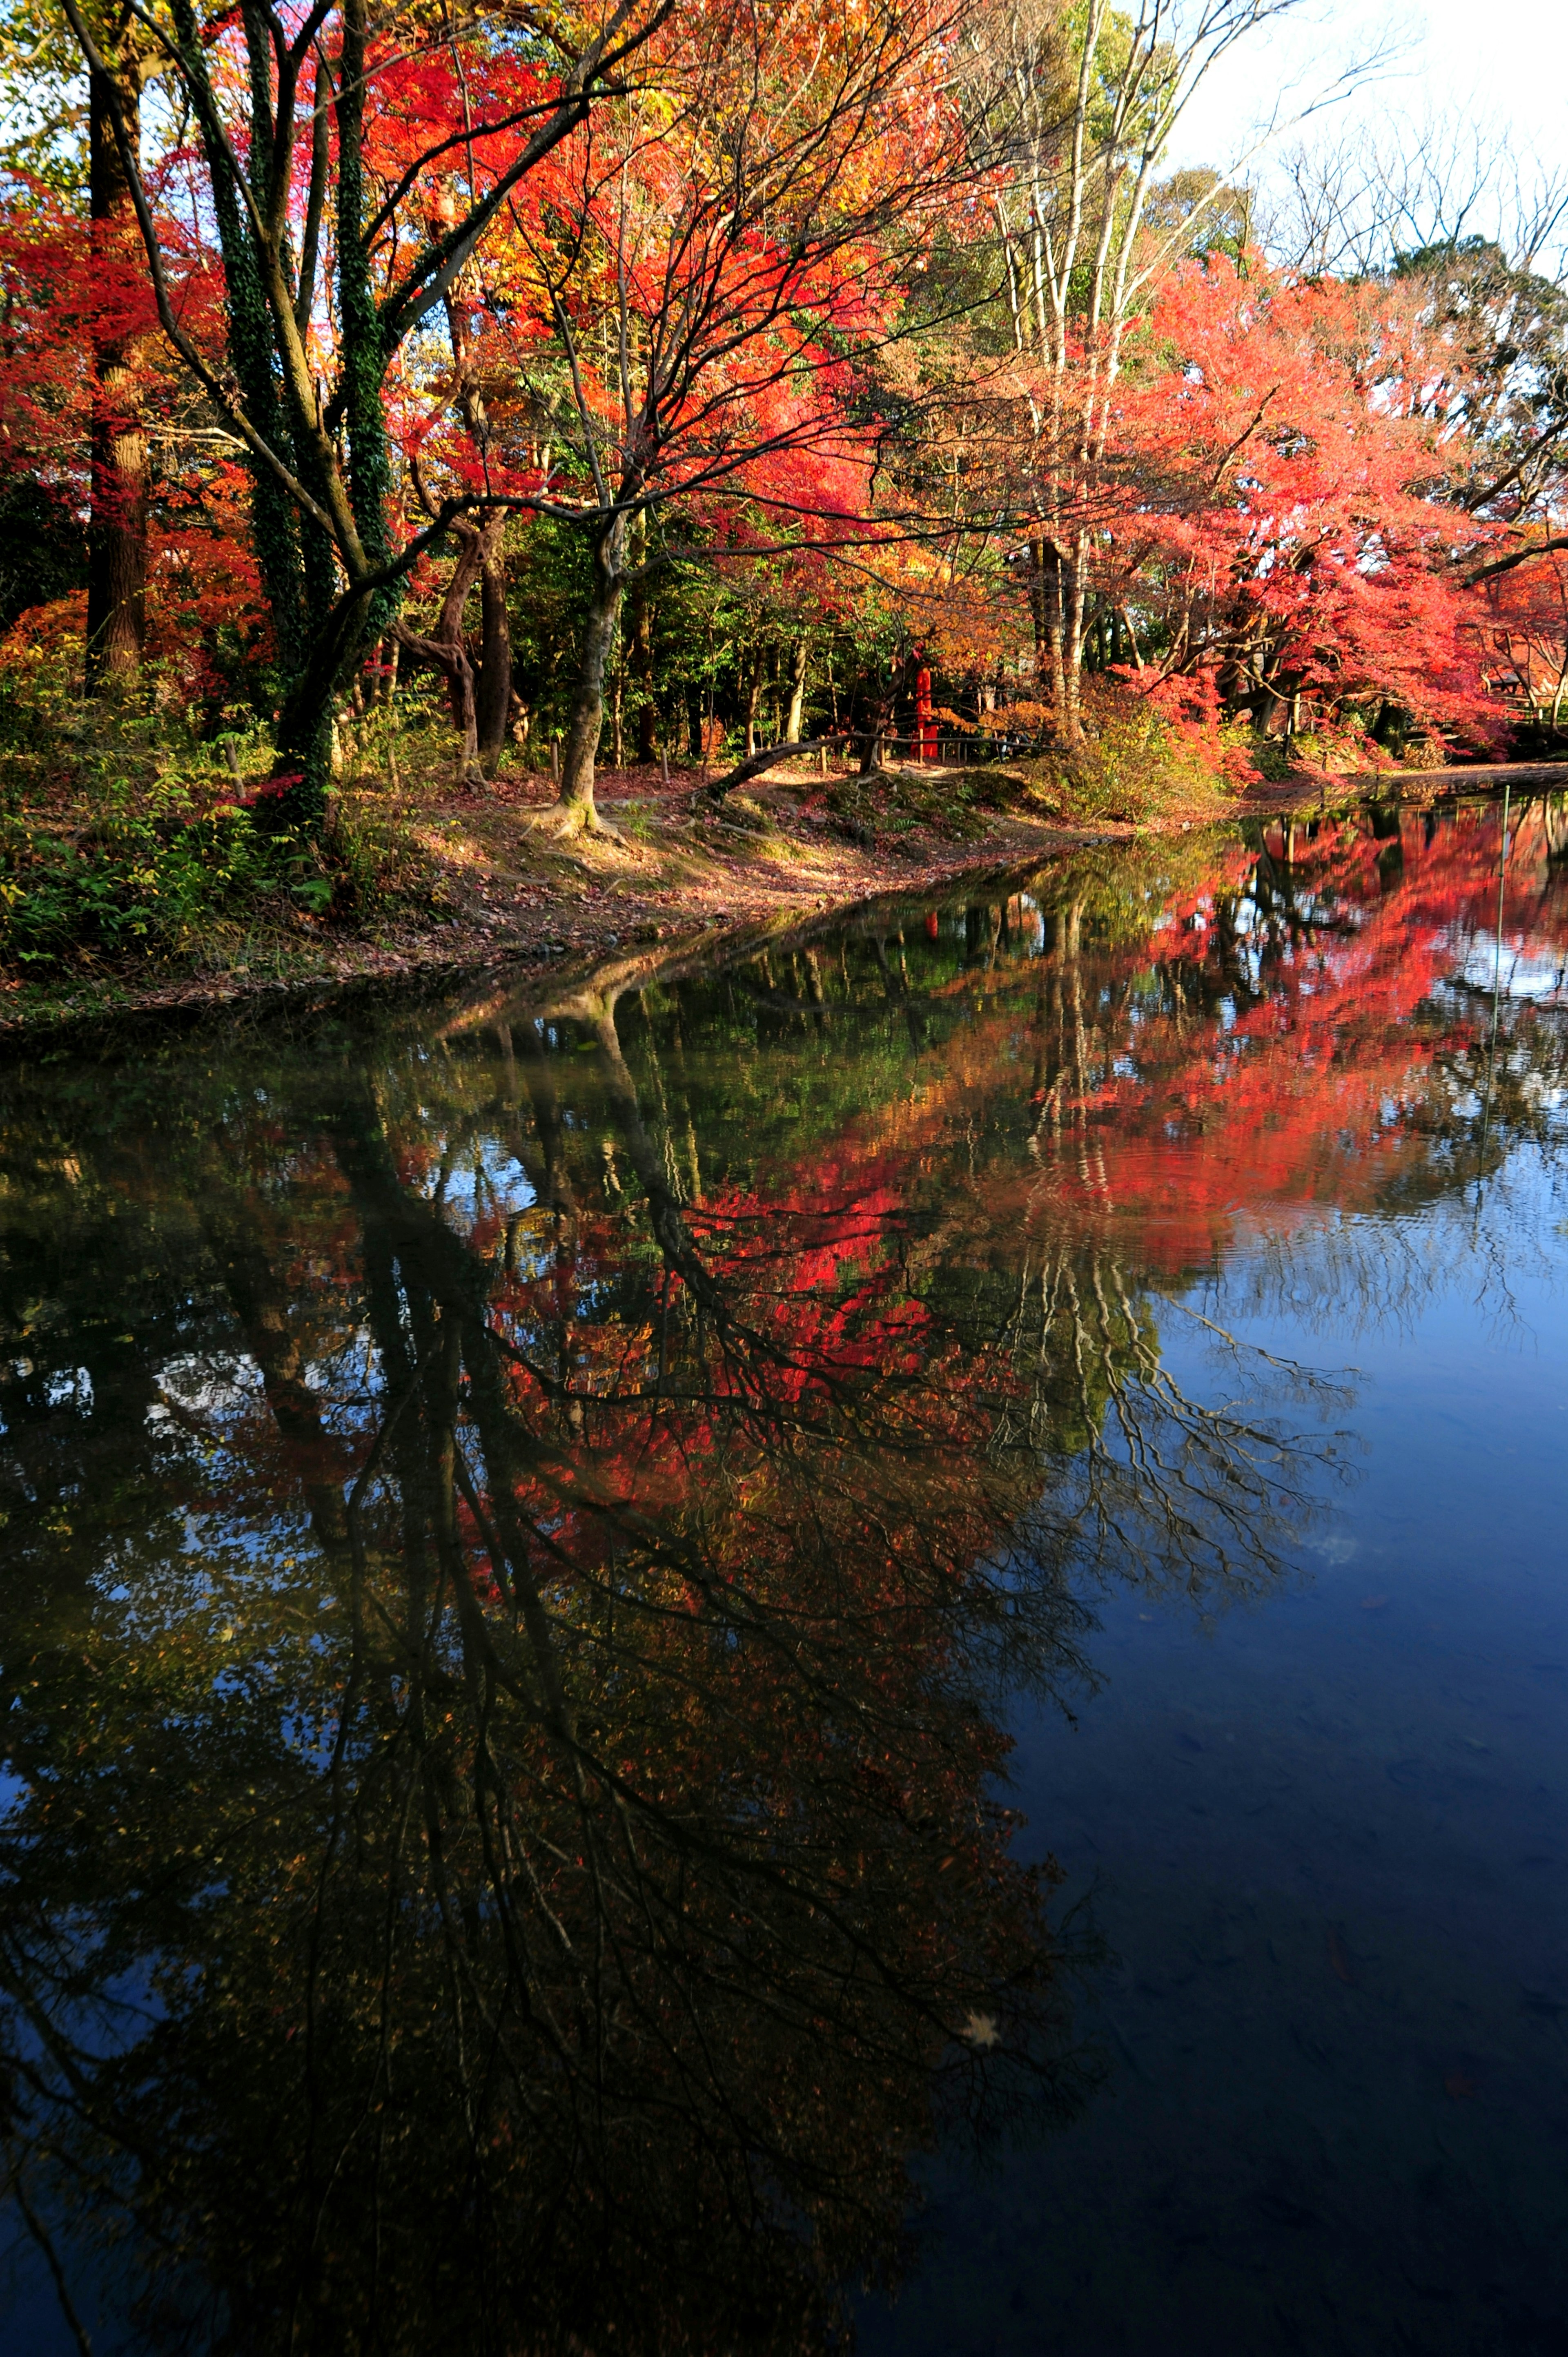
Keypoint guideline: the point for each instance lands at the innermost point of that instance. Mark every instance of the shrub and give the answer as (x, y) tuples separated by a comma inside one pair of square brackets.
[(120, 830), (124, 828), (149, 872), (370, 854), (1142, 754)]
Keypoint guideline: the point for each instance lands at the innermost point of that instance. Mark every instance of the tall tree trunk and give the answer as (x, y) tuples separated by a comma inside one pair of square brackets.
[(1039, 610), (797, 691), (117, 536), (1075, 597), (874, 722), (642, 664), (575, 810), (494, 691), (465, 717), (446, 649), (1063, 683), (639, 641)]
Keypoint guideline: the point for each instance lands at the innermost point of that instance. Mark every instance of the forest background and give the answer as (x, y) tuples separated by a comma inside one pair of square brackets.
[(396, 400)]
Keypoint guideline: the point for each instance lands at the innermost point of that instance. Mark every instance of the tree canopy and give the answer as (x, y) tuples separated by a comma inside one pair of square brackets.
[(744, 360)]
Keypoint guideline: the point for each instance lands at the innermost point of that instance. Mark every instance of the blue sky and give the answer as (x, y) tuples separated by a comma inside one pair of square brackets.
[(1505, 61)]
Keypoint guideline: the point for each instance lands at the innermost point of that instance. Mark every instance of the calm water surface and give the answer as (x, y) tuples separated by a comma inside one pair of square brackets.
[(864, 1643)]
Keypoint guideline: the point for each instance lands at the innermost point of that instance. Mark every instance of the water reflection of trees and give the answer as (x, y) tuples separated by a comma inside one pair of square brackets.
[(609, 1901), (557, 1911), (1339, 1052), (512, 1557), (1209, 1495), (1470, 1130)]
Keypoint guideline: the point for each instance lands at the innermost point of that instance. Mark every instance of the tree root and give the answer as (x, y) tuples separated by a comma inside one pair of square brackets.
[(565, 821)]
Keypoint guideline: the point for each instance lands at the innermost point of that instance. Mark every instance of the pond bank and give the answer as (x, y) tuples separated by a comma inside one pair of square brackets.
[(676, 872)]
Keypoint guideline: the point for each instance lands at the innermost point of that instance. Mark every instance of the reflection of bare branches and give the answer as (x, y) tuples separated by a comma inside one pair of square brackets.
[(631, 1833), (13, 2188), (1147, 1482), (1381, 1274)]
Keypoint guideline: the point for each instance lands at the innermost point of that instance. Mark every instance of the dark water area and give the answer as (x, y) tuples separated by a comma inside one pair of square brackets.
[(866, 1646)]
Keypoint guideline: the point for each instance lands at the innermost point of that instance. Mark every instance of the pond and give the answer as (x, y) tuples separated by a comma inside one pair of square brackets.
[(864, 1642)]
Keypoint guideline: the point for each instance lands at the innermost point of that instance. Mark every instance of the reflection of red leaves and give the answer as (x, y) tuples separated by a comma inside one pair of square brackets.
[(1314, 1092)]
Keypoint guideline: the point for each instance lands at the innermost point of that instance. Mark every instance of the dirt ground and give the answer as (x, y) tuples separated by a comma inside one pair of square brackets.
[(496, 889)]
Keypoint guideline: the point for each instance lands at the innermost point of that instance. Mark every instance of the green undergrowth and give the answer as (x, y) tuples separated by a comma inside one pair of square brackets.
[(157, 877), (1131, 766), (955, 804), (125, 837)]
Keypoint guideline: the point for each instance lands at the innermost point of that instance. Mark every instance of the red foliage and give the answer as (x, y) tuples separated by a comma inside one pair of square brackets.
[(61, 286), (1286, 515)]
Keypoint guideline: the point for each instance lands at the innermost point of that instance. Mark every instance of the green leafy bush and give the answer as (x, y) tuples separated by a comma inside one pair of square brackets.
[(121, 831), (124, 830), (1134, 762), (145, 872)]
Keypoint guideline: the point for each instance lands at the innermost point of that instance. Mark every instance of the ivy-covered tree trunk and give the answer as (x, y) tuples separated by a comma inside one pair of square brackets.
[(294, 551), (360, 613)]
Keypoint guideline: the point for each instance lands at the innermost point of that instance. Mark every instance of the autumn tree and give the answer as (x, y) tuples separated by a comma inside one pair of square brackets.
[(282, 115), (1293, 545), (721, 259), (481, 693), (59, 148), (117, 568), (1453, 206), (1526, 634), (1089, 104)]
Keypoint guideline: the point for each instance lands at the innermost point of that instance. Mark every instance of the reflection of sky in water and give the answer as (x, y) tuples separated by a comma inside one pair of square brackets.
[(1327, 1840), (1524, 969), (489, 1181), (1322, 1830)]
